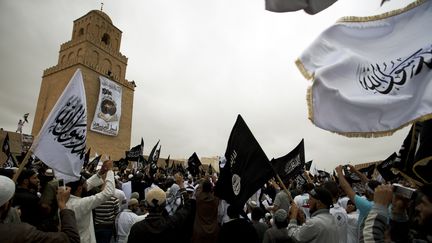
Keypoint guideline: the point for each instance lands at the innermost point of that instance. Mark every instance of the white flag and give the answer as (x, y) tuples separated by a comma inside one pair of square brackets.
[(61, 142), (372, 75)]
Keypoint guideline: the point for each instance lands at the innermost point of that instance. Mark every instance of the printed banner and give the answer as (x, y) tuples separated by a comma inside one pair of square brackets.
[(108, 110)]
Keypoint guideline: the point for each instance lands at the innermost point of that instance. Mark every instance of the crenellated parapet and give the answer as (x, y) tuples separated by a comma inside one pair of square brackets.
[(90, 64)]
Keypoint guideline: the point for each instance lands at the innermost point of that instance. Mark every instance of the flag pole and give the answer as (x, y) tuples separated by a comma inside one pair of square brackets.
[(284, 188), (22, 165)]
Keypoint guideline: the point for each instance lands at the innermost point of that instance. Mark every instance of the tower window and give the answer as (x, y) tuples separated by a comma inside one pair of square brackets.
[(81, 32), (106, 39)]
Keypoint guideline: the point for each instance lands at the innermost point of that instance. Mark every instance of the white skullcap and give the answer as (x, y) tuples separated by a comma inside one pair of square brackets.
[(155, 197), (7, 189)]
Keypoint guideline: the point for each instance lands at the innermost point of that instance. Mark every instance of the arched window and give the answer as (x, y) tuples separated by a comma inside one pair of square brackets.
[(117, 71), (70, 56), (81, 32), (106, 39), (79, 52)]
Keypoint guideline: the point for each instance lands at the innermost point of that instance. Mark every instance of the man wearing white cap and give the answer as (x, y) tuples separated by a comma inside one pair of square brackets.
[(27, 233)]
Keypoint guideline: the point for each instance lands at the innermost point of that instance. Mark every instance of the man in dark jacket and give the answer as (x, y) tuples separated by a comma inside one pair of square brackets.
[(206, 227), (158, 226), (26, 197), (24, 232)]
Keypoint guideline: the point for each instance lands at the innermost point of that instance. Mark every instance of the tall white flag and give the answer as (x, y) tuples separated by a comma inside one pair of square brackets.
[(371, 75), (61, 142)]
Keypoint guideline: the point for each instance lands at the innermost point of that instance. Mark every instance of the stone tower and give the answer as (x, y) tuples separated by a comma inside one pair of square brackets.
[(95, 49)]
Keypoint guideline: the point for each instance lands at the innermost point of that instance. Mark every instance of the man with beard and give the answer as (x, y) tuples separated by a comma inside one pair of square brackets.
[(26, 197), (23, 232), (321, 227)]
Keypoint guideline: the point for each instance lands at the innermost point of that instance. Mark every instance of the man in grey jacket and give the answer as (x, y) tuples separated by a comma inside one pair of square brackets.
[(321, 227)]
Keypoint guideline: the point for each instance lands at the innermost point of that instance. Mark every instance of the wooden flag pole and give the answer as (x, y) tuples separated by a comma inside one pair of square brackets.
[(283, 186), (22, 165)]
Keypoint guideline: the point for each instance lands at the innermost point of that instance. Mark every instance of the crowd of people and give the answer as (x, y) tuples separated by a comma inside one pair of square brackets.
[(177, 207)]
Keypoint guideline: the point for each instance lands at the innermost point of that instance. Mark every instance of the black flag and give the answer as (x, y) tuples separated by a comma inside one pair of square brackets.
[(291, 164), (167, 161), (152, 152), (350, 176), (210, 170), (300, 180), (26, 117), (385, 168), (246, 169), (6, 146), (121, 164), (368, 171), (10, 161), (415, 159), (193, 164), (157, 154), (134, 153), (308, 165), (91, 167), (86, 158), (151, 159)]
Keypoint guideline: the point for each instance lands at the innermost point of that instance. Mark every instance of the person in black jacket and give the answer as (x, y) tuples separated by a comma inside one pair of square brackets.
[(158, 226)]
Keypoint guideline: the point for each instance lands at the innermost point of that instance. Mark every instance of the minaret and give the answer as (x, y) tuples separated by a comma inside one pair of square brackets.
[(95, 49)]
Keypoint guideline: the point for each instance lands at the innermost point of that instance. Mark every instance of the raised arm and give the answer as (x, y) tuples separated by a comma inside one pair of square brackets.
[(69, 230), (91, 202), (362, 176), (344, 183), (376, 221)]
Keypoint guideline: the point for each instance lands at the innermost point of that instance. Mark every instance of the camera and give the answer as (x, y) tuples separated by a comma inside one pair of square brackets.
[(404, 191), (61, 183)]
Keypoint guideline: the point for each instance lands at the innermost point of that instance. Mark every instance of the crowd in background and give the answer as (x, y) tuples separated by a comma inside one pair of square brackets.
[(174, 206)]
